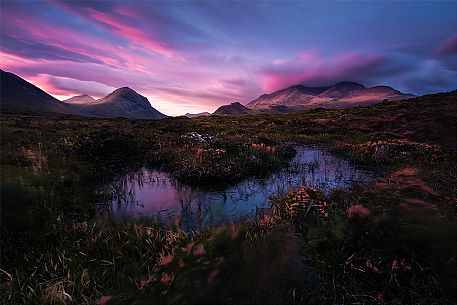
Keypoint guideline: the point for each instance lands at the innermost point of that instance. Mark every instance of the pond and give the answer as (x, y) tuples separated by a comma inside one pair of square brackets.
[(155, 194)]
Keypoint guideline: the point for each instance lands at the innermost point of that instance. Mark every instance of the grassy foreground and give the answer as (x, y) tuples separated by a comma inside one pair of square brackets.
[(392, 241)]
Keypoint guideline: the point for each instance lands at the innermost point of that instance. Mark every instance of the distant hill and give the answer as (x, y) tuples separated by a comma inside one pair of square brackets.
[(341, 95), (122, 102), (19, 96), (233, 109), (80, 99), (196, 115)]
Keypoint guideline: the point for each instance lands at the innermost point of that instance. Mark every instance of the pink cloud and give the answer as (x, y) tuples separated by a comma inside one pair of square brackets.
[(309, 56), (312, 68), (279, 61), (64, 86), (84, 71), (130, 32), (84, 44), (171, 87)]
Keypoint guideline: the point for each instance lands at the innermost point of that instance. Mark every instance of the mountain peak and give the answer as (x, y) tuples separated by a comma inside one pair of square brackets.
[(124, 91), (125, 94), (127, 102), (384, 88), (235, 108), (80, 99), (348, 83), (343, 90)]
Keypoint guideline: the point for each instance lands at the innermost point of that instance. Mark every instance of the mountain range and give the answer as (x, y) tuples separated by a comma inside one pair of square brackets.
[(299, 97), (122, 102), (20, 96), (340, 95)]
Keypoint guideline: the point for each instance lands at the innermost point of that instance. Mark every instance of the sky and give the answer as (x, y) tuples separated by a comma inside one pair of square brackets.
[(194, 56)]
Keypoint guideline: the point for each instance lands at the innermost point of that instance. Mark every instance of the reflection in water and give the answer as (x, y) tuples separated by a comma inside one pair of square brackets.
[(152, 193)]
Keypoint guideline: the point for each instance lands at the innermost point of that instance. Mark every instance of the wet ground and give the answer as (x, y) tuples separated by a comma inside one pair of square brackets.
[(155, 194)]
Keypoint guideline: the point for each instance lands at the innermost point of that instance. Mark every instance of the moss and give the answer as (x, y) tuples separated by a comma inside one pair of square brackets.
[(305, 249)]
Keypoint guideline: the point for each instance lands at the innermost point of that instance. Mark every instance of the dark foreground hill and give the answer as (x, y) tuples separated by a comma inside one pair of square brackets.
[(19, 96)]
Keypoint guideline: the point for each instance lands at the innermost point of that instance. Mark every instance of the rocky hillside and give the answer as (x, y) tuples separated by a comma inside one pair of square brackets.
[(232, 109), (341, 95), (122, 102)]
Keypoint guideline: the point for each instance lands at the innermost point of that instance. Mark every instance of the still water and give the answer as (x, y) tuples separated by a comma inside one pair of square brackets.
[(155, 194)]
